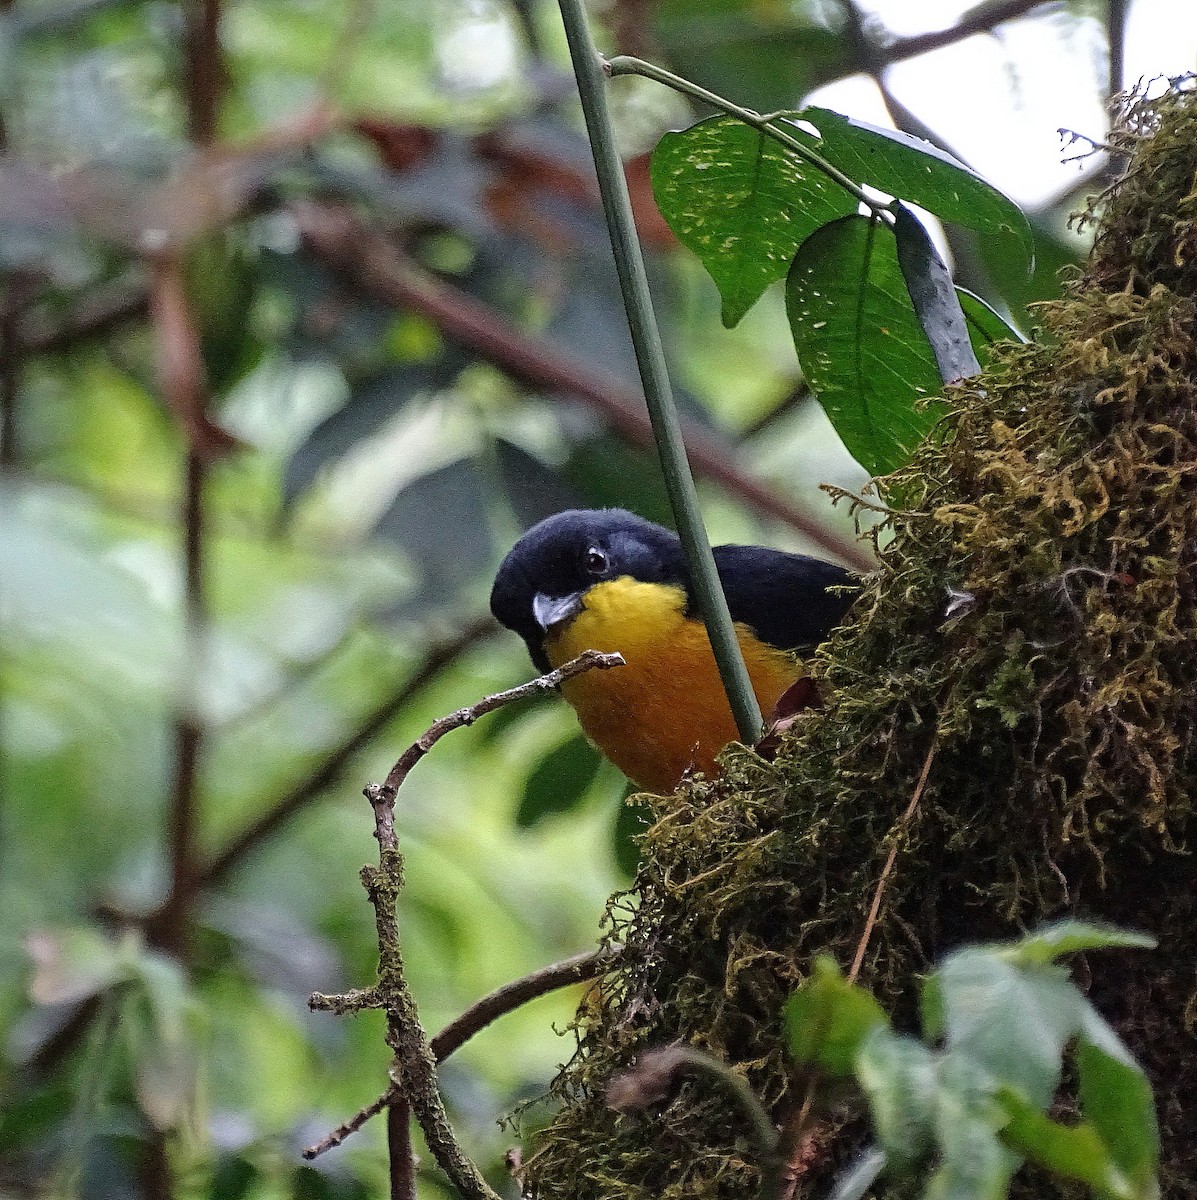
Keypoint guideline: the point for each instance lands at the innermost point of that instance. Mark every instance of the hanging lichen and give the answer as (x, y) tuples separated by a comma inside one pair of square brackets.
[(1035, 621)]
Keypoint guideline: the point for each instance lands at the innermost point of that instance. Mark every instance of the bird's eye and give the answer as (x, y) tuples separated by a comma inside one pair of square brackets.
[(595, 561)]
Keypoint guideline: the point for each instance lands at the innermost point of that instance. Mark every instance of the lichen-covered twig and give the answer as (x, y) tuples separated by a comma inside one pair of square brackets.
[(414, 1067), (481, 1013), (382, 795)]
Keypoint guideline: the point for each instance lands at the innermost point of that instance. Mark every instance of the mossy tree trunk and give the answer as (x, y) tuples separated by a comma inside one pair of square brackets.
[(1055, 696)]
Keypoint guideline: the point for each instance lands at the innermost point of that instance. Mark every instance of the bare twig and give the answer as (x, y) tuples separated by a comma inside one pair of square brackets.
[(511, 996), (414, 1068), (1116, 13), (370, 264), (350, 1127), (92, 316), (508, 998), (895, 833), (983, 18), (382, 795), (333, 765)]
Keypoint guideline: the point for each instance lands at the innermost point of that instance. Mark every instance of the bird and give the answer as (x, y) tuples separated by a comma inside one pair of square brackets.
[(609, 580)]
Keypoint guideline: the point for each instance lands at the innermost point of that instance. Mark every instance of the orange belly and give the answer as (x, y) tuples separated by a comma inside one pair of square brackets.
[(665, 712)]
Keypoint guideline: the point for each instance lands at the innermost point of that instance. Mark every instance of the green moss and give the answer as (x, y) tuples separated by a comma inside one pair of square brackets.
[(1057, 700)]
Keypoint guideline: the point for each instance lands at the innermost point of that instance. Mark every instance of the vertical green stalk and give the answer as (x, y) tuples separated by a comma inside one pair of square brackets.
[(646, 339)]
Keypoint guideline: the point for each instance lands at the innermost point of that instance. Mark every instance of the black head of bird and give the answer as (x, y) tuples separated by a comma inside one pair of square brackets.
[(609, 580)]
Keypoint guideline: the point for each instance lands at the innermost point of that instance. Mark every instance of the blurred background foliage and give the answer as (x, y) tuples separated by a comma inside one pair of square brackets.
[(307, 311)]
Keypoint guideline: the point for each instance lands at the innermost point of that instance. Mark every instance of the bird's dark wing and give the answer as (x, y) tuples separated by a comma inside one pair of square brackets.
[(785, 598)]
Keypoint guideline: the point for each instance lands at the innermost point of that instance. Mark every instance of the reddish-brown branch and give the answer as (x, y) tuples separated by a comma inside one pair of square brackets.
[(205, 69), (370, 263), (333, 765)]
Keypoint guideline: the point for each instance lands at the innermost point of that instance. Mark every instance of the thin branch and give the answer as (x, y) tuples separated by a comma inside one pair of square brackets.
[(371, 265), (348, 1128), (480, 1014), (92, 316), (414, 1066), (578, 969), (1116, 14), (984, 18), (766, 123), (332, 766), (902, 823), (401, 1160), (205, 69), (382, 795)]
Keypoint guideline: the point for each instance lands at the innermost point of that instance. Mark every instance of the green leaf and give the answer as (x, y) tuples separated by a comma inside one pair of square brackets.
[(931, 1013), (929, 283), (1014, 1023), (1070, 1151), (859, 342), (898, 1075), (828, 1018), (855, 1182), (974, 1165), (742, 202), (1071, 937), (986, 326), (911, 169), (559, 782), (1116, 1100)]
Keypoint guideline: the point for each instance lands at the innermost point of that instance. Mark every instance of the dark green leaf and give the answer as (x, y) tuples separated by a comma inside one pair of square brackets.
[(828, 1018), (1116, 1100), (1014, 1023), (931, 1009), (1071, 937), (986, 326), (1070, 1151), (929, 283), (559, 782), (911, 169), (742, 202), (898, 1075), (859, 342), (631, 820)]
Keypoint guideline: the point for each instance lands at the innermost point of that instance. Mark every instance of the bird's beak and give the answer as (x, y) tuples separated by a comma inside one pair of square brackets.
[(550, 611)]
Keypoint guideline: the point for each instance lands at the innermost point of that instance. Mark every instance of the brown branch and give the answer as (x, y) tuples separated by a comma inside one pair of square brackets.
[(1116, 14), (205, 69), (91, 317), (984, 18), (401, 1160), (578, 969), (505, 999), (333, 765), (903, 821), (350, 1127), (382, 795), (369, 263)]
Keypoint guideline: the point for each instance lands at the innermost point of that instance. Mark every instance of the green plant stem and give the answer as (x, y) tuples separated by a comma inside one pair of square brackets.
[(624, 64), (646, 339)]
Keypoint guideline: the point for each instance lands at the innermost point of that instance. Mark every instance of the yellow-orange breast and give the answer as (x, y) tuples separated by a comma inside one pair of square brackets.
[(665, 711)]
